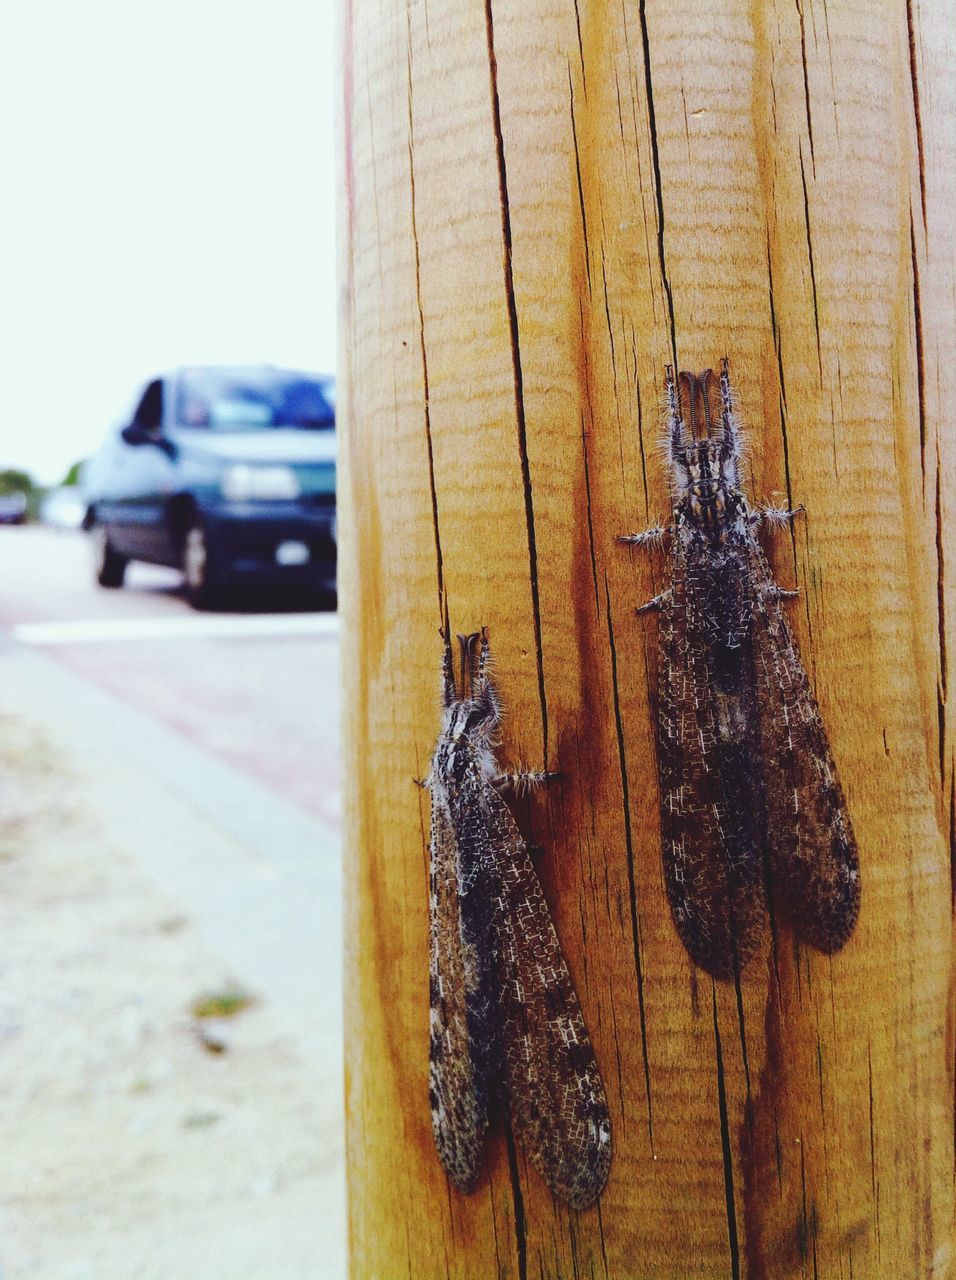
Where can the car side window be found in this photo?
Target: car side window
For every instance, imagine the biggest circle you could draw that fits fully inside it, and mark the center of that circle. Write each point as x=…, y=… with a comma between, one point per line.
x=149, y=411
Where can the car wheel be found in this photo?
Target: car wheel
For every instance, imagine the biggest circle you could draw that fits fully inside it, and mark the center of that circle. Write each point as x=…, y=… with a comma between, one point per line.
x=199, y=568
x=108, y=565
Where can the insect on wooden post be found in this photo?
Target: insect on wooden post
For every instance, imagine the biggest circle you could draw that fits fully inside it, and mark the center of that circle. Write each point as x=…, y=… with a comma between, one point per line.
x=747, y=780
x=505, y=1019
x=543, y=207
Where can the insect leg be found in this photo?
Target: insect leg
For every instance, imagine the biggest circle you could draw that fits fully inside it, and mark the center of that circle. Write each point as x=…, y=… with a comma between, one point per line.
x=775, y=517
x=652, y=537
x=523, y=780
x=655, y=605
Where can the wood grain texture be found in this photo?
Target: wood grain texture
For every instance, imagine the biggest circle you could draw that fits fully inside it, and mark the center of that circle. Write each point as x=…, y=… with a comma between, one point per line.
x=543, y=201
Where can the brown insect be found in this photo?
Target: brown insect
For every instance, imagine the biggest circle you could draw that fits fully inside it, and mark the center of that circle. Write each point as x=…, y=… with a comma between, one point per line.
x=505, y=1018
x=749, y=789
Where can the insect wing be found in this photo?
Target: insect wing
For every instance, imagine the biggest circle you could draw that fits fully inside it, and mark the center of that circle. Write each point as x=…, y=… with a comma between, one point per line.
x=709, y=799
x=457, y=1083
x=812, y=846
x=558, y=1106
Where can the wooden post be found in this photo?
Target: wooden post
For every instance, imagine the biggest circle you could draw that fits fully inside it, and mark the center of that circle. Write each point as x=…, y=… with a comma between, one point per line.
x=542, y=202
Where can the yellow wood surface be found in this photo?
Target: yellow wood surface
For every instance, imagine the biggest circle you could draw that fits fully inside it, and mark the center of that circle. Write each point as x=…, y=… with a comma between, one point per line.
x=541, y=199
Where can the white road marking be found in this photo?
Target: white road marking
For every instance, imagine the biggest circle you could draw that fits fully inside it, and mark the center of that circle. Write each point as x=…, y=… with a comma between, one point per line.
x=185, y=627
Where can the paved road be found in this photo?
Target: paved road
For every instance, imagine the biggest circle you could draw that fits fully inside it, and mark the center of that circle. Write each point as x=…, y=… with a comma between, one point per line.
x=205, y=750
x=258, y=690
x=209, y=746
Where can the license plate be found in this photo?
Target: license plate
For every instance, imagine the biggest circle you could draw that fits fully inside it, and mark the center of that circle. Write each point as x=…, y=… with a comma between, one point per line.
x=292, y=553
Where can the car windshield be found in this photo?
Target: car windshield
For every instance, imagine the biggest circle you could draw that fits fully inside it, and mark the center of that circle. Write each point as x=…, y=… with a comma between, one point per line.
x=253, y=400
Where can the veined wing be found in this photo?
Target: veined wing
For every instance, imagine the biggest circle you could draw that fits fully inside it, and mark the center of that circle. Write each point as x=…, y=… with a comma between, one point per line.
x=558, y=1106
x=711, y=801
x=457, y=1083
x=812, y=847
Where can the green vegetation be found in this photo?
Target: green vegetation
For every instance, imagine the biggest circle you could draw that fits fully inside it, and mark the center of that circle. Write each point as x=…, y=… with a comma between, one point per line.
x=13, y=481
x=223, y=1004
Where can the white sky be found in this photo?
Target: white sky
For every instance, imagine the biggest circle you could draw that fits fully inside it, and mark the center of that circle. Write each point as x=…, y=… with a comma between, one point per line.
x=168, y=198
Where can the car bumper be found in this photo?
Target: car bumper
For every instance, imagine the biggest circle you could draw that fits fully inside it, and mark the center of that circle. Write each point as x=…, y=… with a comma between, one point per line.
x=285, y=542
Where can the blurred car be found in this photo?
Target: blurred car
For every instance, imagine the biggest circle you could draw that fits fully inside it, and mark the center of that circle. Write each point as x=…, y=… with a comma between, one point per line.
x=13, y=508
x=63, y=507
x=227, y=473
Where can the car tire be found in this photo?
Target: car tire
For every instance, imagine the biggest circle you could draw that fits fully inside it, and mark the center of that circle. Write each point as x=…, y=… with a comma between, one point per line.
x=108, y=565
x=200, y=573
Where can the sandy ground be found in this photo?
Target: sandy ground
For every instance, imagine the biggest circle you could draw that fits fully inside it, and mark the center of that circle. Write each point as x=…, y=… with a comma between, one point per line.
x=131, y=1148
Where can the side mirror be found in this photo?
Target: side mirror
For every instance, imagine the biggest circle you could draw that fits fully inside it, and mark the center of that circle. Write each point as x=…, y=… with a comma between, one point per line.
x=136, y=434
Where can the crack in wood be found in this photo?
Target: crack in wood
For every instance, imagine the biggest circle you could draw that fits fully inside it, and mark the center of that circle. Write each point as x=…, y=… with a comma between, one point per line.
x=521, y=1231
x=813, y=274
x=917, y=115
x=632, y=886
x=433, y=491
x=656, y=165
x=577, y=166
x=727, y=1151
x=516, y=369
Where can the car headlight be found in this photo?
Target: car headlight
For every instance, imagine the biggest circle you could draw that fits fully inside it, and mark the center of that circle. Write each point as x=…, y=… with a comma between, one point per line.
x=245, y=483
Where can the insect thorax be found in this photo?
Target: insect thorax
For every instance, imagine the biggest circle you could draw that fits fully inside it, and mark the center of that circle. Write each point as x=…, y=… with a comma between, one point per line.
x=710, y=505
x=464, y=752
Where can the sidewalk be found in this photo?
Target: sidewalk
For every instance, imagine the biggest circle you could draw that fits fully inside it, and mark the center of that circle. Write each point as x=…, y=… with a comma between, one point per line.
x=137, y=874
